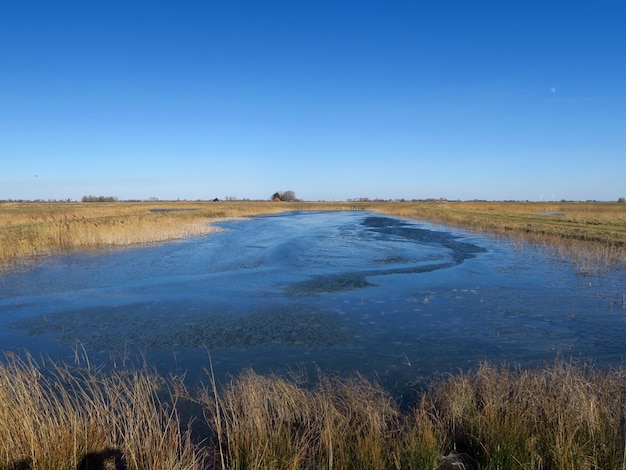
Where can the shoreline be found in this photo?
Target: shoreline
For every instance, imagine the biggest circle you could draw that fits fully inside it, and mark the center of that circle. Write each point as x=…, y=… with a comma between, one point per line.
x=593, y=235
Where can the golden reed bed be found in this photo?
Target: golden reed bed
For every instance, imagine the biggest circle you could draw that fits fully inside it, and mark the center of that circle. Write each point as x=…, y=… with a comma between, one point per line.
x=56, y=416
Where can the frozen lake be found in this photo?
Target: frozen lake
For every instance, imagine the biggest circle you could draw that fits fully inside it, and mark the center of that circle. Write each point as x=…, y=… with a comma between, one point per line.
x=338, y=291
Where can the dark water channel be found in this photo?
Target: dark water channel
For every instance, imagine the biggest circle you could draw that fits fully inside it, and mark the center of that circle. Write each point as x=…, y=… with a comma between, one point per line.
x=338, y=291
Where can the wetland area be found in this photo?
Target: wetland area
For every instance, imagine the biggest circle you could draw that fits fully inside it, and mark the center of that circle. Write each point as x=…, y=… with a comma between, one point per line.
x=345, y=291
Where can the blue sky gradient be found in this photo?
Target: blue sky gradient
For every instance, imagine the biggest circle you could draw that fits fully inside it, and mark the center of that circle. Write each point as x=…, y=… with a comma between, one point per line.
x=333, y=100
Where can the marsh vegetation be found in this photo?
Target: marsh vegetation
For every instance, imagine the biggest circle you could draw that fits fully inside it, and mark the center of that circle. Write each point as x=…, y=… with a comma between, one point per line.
x=560, y=415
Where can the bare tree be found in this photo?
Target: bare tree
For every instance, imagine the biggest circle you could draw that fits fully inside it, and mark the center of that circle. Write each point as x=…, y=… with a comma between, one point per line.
x=287, y=196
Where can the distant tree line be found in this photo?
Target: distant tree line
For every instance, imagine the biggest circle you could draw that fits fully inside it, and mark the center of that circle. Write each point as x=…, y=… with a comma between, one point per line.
x=38, y=201
x=99, y=199
x=277, y=196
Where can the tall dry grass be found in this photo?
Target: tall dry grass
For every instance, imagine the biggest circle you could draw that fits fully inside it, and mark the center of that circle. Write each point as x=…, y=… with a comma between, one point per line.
x=271, y=422
x=30, y=230
x=562, y=416
x=59, y=417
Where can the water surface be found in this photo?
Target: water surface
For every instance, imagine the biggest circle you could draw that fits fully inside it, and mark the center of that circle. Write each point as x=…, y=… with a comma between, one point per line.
x=338, y=291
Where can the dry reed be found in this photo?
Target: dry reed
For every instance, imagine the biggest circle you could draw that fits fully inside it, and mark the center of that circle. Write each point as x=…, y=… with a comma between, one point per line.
x=271, y=422
x=562, y=416
x=57, y=417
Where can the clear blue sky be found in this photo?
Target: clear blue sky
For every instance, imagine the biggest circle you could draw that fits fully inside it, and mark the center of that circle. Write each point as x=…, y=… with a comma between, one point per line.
x=331, y=99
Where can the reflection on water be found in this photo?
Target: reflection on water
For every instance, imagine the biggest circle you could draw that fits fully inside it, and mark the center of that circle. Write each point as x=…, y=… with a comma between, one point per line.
x=340, y=291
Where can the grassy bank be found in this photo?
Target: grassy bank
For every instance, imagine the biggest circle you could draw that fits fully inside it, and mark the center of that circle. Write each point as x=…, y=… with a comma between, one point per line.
x=563, y=416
